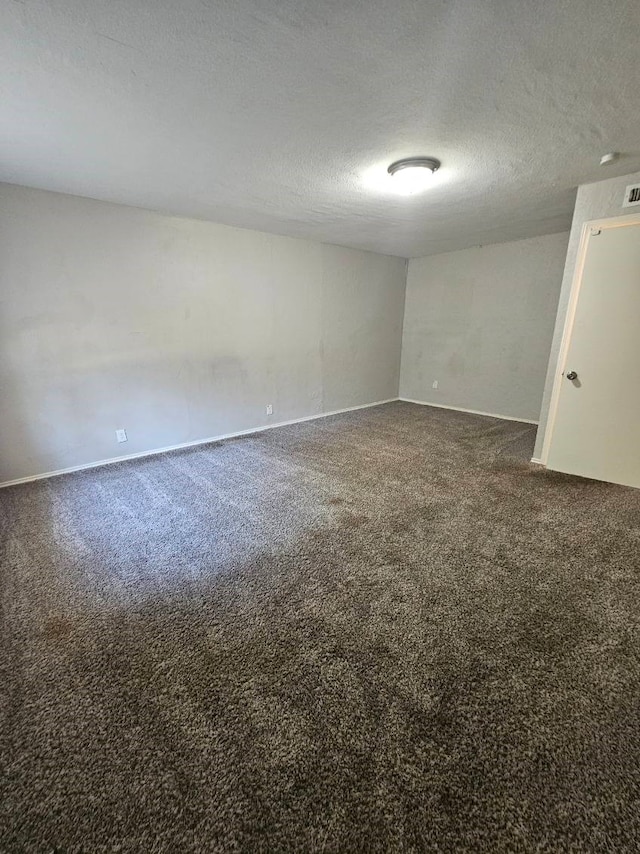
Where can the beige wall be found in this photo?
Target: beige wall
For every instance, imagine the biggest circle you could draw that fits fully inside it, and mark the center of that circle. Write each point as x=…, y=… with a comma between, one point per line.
x=480, y=322
x=594, y=201
x=175, y=329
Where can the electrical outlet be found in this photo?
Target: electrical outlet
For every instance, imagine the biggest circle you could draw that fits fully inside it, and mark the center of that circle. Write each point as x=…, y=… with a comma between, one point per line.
x=435, y=384
x=269, y=409
x=121, y=435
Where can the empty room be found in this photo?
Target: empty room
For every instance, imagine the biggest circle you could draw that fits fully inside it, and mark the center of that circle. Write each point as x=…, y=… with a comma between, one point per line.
x=319, y=426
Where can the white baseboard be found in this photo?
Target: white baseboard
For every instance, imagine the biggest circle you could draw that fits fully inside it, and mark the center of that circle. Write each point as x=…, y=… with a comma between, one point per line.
x=469, y=411
x=536, y=461
x=194, y=444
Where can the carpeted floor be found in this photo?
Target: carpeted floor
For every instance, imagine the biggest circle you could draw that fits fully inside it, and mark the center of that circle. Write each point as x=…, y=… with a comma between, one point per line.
x=377, y=632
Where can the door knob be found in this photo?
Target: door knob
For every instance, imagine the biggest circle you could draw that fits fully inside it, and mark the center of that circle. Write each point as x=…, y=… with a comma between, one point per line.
x=572, y=375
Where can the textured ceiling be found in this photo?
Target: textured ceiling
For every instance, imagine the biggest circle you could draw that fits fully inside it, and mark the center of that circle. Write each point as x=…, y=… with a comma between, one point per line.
x=282, y=115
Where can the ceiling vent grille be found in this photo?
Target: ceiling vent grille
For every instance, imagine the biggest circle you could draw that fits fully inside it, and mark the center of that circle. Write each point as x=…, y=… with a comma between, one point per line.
x=631, y=196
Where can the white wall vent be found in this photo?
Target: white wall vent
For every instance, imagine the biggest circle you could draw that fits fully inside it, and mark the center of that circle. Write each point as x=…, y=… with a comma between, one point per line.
x=631, y=196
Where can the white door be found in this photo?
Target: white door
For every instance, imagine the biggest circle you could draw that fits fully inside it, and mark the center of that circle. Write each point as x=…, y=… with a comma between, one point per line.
x=596, y=429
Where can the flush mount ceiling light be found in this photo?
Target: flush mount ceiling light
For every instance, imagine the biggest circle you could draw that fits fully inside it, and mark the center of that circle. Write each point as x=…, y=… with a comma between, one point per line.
x=413, y=174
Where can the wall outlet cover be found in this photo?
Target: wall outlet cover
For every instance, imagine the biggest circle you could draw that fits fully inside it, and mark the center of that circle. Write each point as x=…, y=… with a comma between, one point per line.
x=269, y=409
x=121, y=435
x=435, y=384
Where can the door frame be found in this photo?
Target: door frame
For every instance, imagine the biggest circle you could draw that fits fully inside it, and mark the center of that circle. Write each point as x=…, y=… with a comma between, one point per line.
x=572, y=304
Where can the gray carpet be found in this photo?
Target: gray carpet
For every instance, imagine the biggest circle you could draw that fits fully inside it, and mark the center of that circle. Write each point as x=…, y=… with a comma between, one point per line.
x=377, y=632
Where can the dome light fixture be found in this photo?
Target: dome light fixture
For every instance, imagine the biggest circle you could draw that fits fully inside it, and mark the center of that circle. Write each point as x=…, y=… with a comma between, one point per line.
x=413, y=174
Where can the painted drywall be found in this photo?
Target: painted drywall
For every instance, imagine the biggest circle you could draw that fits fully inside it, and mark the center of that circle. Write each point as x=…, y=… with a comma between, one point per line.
x=176, y=330
x=479, y=322
x=593, y=201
